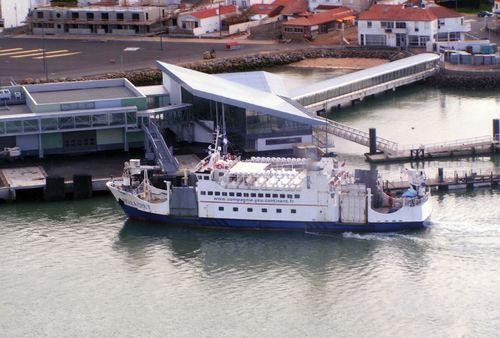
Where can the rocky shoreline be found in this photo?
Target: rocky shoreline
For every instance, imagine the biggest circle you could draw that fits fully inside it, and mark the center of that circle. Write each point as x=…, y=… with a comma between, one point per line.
x=443, y=79
x=463, y=79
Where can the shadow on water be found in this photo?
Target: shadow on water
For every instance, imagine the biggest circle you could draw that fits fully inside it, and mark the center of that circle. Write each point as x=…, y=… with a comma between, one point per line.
x=216, y=250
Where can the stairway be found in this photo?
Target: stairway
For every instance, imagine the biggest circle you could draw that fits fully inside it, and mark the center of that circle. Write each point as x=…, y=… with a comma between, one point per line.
x=163, y=155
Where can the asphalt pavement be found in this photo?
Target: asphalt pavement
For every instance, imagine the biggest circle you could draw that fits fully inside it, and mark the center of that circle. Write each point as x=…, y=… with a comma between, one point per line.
x=478, y=31
x=22, y=58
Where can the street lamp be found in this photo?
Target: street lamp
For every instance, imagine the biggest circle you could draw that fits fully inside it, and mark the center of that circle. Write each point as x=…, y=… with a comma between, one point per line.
x=45, y=68
x=160, y=17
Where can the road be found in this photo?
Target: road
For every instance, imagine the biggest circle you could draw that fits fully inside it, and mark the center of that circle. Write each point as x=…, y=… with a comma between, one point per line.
x=477, y=28
x=21, y=58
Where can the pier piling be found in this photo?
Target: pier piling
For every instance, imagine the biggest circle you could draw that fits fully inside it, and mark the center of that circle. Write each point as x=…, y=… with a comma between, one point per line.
x=54, y=188
x=82, y=186
x=373, y=141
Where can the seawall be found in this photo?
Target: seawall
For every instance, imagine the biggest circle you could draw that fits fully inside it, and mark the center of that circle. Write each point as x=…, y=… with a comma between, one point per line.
x=466, y=79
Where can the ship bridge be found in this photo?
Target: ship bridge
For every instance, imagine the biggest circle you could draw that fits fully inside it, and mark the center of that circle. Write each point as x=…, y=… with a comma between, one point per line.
x=324, y=95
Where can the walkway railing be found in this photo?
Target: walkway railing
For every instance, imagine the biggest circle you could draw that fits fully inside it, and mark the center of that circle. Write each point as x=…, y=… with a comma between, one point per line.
x=452, y=145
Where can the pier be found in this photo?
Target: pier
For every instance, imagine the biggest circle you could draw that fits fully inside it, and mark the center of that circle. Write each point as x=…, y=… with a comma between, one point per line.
x=384, y=150
x=465, y=180
x=352, y=87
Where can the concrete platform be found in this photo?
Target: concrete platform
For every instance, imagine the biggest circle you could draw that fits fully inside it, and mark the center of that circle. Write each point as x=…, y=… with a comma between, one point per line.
x=23, y=178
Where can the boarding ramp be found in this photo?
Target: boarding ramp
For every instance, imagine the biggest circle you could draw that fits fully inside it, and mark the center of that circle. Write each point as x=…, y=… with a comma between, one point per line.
x=324, y=95
x=357, y=136
x=156, y=144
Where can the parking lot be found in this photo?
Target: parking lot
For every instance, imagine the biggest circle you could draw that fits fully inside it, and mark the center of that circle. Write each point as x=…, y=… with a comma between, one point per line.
x=21, y=58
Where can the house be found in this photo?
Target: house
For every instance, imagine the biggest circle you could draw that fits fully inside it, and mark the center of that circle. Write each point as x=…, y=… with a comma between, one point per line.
x=263, y=11
x=356, y=5
x=496, y=7
x=205, y=21
x=118, y=20
x=292, y=8
x=400, y=26
x=14, y=13
x=308, y=27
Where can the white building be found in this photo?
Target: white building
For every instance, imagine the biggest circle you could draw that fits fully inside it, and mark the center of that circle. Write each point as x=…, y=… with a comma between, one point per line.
x=205, y=21
x=399, y=26
x=496, y=7
x=356, y=5
x=13, y=13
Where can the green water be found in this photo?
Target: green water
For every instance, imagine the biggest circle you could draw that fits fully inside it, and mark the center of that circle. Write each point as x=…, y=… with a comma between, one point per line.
x=80, y=269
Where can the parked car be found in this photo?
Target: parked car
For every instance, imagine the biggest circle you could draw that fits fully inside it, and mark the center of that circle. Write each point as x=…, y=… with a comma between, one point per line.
x=482, y=14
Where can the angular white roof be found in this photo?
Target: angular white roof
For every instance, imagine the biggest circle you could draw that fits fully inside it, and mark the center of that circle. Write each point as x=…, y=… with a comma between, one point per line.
x=235, y=93
x=261, y=80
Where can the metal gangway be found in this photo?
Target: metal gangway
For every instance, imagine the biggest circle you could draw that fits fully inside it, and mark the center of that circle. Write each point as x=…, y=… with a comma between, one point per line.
x=163, y=154
x=356, y=136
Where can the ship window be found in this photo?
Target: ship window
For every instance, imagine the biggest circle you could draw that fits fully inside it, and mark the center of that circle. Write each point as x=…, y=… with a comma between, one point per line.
x=264, y=209
x=282, y=195
x=235, y=209
x=238, y=194
x=275, y=195
x=268, y=195
x=221, y=208
x=253, y=195
x=249, y=209
x=293, y=211
x=289, y=196
x=224, y=193
x=203, y=193
x=210, y=193
x=278, y=211
x=296, y=196
x=231, y=194
x=217, y=193
x=260, y=195
x=245, y=194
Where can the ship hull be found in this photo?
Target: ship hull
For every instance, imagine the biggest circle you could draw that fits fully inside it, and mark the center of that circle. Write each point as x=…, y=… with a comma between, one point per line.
x=242, y=224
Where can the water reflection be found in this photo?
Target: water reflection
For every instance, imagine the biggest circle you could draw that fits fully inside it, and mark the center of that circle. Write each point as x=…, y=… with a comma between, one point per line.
x=219, y=251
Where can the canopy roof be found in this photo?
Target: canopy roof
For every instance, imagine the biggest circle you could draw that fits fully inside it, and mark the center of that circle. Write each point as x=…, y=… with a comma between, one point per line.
x=220, y=89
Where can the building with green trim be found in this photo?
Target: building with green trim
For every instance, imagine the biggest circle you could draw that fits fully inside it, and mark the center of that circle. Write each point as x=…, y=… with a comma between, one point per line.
x=73, y=117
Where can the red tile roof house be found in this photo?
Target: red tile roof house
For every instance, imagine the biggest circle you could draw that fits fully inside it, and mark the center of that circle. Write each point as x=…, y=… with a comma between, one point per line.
x=292, y=8
x=400, y=26
x=263, y=11
x=308, y=27
x=206, y=20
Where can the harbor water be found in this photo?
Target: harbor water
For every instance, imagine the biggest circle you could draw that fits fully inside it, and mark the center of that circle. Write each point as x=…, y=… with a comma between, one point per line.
x=79, y=268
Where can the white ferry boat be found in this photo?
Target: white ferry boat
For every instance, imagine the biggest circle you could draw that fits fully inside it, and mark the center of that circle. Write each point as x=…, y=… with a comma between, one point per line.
x=272, y=193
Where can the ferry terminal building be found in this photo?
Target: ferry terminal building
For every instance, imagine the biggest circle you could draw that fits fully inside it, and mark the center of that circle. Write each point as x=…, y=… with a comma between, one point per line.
x=90, y=116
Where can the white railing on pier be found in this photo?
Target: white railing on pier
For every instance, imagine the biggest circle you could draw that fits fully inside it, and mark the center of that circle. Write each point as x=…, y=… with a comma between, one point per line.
x=452, y=145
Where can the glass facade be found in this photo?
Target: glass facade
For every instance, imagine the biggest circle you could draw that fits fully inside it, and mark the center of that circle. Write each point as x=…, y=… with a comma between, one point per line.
x=49, y=124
